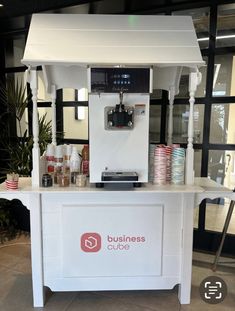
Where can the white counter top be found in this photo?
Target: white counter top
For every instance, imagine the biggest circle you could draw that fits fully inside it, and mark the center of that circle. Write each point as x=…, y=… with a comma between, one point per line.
x=201, y=185
x=161, y=215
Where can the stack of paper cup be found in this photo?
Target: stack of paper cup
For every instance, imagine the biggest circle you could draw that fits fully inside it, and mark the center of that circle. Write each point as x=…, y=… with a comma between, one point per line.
x=12, y=181
x=168, y=164
x=151, y=161
x=160, y=165
x=177, y=166
x=175, y=146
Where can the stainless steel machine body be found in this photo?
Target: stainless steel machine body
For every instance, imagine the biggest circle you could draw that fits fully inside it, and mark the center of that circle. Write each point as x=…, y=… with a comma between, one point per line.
x=119, y=124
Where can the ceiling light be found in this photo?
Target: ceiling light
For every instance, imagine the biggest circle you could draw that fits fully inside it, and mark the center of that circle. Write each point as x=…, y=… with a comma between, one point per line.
x=203, y=39
x=1, y=4
x=217, y=38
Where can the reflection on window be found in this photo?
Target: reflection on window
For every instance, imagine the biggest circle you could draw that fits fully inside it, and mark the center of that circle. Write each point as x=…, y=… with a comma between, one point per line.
x=222, y=129
x=201, y=23
x=68, y=94
x=14, y=51
x=18, y=78
x=154, y=123
x=156, y=94
x=226, y=25
x=196, y=217
x=222, y=170
x=197, y=162
x=180, y=123
x=75, y=95
x=224, y=75
x=184, y=82
x=43, y=96
x=47, y=111
x=75, y=128
x=216, y=215
x=217, y=165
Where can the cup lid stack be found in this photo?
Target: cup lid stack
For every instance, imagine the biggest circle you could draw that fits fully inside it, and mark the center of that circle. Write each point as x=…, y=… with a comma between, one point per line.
x=177, y=166
x=160, y=165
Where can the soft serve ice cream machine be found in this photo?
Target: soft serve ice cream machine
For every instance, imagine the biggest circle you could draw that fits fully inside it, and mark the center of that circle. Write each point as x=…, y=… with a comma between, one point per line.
x=119, y=124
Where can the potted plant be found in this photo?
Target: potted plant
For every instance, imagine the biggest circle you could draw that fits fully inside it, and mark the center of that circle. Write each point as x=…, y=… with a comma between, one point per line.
x=18, y=149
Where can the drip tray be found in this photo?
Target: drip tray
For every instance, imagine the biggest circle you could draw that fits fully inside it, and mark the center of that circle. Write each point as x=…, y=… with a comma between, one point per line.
x=119, y=176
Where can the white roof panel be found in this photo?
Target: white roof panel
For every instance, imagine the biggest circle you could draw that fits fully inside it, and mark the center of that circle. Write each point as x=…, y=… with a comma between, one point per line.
x=87, y=39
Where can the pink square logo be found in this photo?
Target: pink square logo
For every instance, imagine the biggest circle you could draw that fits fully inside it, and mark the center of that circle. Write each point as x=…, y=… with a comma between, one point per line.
x=91, y=242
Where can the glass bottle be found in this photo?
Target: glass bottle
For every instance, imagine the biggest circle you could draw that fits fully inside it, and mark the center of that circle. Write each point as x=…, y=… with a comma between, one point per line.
x=75, y=161
x=50, y=158
x=59, y=162
x=85, y=160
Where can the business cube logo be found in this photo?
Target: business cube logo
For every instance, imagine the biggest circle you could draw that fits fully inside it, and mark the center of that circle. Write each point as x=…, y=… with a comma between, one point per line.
x=91, y=242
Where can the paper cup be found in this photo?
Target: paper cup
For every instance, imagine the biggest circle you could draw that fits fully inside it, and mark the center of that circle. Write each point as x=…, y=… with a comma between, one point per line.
x=11, y=184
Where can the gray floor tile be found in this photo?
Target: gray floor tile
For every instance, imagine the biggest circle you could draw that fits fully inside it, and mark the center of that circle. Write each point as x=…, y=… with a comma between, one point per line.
x=59, y=301
x=88, y=301
x=16, y=289
x=155, y=300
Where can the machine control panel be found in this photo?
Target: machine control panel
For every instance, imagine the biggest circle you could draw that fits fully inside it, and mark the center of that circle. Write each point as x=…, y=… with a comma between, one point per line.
x=112, y=80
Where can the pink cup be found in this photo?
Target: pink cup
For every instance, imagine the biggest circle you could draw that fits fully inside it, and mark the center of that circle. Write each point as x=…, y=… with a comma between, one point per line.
x=11, y=184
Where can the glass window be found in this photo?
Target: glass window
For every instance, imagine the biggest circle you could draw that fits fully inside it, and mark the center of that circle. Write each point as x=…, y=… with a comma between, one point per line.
x=184, y=82
x=201, y=23
x=75, y=95
x=196, y=217
x=216, y=215
x=225, y=25
x=197, y=162
x=222, y=130
x=154, y=123
x=156, y=94
x=180, y=123
x=43, y=96
x=178, y=1
x=47, y=111
x=75, y=9
x=69, y=94
x=75, y=128
x=221, y=167
x=108, y=7
x=14, y=51
x=141, y=5
x=18, y=78
x=224, y=75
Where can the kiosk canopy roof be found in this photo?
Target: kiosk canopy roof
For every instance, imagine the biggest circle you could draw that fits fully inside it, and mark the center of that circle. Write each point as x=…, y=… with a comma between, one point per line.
x=90, y=40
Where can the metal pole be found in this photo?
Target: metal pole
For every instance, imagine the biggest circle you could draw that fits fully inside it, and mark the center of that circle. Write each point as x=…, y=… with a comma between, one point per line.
x=225, y=229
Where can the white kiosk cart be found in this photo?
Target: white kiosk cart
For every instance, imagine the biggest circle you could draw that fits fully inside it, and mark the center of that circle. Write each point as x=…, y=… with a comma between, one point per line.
x=98, y=239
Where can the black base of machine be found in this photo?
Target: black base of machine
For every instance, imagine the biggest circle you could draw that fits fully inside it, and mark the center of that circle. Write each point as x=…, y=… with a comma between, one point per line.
x=119, y=176
x=117, y=186
x=99, y=185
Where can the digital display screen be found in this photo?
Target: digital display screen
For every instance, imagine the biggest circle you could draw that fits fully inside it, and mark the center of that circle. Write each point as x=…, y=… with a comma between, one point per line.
x=109, y=80
x=98, y=77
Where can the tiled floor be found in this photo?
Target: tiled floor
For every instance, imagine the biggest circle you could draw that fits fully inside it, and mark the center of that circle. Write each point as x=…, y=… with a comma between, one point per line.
x=215, y=217
x=16, y=288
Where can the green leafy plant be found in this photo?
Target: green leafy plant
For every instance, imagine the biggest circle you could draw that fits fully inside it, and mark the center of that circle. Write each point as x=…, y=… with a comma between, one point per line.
x=19, y=148
x=13, y=96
